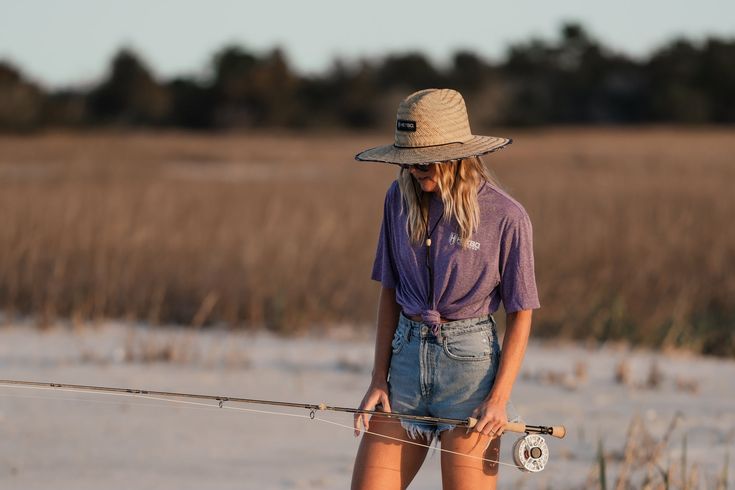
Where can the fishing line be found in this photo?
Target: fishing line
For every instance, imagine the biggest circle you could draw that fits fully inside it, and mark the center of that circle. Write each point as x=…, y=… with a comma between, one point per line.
x=84, y=400
x=418, y=443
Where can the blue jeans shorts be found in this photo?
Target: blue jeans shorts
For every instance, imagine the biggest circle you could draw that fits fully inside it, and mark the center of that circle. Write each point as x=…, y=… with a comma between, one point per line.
x=446, y=375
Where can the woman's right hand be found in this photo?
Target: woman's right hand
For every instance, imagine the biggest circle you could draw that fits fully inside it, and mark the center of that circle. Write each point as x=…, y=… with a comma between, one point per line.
x=377, y=394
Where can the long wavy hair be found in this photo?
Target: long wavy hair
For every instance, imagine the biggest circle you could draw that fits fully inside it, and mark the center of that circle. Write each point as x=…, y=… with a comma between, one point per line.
x=458, y=182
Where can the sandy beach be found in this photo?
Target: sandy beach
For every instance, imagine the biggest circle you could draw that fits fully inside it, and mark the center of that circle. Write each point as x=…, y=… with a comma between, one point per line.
x=88, y=441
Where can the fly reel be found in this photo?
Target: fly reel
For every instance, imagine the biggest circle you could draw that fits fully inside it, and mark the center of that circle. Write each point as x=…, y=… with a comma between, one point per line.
x=530, y=453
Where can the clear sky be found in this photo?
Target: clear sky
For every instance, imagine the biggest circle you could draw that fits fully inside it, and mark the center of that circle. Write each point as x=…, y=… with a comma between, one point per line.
x=70, y=42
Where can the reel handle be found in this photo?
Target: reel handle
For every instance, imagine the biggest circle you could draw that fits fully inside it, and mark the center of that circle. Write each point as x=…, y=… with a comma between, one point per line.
x=558, y=431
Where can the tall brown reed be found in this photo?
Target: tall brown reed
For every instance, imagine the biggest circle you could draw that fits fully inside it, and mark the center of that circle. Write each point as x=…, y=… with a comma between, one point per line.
x=646, y=463
x=632, y=229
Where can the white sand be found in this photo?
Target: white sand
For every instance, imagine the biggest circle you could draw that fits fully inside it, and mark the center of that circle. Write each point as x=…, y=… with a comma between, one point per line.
x=52, y=439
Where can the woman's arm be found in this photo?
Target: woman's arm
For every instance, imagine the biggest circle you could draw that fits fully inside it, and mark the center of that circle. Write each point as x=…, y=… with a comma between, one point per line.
x=491, y=414
x=377, y=393
x=388, y=313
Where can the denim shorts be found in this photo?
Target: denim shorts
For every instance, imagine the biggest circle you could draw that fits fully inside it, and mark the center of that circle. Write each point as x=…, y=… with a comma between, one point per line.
x=446, y=375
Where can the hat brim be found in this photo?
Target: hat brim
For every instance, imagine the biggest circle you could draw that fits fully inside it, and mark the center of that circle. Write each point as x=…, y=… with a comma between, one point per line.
x=476, y=146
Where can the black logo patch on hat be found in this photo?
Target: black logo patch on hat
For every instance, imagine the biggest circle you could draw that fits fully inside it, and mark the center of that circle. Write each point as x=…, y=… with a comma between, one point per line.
x=404, y=125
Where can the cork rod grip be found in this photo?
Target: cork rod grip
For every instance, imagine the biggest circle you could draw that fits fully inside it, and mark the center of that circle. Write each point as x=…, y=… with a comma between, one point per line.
x=558, y=431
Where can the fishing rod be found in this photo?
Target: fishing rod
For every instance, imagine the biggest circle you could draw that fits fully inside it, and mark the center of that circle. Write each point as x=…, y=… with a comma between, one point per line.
x=470, y=422
x=530, y=452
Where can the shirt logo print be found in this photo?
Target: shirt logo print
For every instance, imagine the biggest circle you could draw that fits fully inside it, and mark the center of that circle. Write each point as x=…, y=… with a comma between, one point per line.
x=455, y=240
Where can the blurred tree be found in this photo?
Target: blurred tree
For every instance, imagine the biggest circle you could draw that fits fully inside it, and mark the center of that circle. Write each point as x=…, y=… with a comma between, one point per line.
x=192, y=104
x=576, y=80
x=232, y=87
x=252, y=91
x=676, y=93
x=468, y=72
x=718, y=78
x=579, y=63
x=233, y=67
x=531, y=75
x=275, y=88
x=573, y=79
x=65, y=108
x=623, y=87
x=483, y=87
x=411, y=71
x=130, y=94
x=21, y=102
x=358, y=96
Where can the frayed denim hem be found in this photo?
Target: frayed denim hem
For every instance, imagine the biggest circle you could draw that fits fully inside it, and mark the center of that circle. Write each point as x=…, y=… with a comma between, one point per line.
x=431, y=432
x=428, y=432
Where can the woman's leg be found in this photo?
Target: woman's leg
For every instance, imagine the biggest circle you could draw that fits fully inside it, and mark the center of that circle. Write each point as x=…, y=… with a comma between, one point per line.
x=463, y=473
x=386, y=464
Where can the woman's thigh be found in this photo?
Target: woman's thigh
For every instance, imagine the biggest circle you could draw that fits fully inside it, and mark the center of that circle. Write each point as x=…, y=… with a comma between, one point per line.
x=386, y=462
x=460, y=472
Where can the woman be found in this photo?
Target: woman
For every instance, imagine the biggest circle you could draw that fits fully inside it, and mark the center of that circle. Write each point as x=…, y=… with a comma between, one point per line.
x=452, y=246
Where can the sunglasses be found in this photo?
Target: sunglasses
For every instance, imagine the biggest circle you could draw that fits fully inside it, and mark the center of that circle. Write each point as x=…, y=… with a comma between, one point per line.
x=424, y=167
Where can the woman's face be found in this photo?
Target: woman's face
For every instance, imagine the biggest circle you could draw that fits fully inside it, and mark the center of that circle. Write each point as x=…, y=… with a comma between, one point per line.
x=427, y=180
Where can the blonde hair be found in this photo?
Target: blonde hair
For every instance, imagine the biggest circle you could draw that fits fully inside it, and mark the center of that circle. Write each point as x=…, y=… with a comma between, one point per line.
x=458, y=182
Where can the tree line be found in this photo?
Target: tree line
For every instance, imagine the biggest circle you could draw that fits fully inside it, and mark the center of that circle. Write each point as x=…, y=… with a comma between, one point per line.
x=573, y=79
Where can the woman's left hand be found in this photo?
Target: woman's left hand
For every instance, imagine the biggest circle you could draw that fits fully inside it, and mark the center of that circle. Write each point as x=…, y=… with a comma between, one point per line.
x=491, y=418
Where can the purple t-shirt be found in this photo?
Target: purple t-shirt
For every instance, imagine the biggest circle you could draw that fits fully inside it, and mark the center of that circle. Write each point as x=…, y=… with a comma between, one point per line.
x=468, y=282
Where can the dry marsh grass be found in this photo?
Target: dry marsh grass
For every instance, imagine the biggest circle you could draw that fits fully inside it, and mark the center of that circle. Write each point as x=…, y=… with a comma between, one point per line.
x=646, y=462
x=633, y=229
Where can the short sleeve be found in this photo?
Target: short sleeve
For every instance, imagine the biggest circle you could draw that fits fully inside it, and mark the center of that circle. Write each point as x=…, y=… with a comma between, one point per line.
x=384, y=269
x=517, y=276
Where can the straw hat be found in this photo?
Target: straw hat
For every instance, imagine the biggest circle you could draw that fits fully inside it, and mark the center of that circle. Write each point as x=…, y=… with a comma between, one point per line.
x=432, y=126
